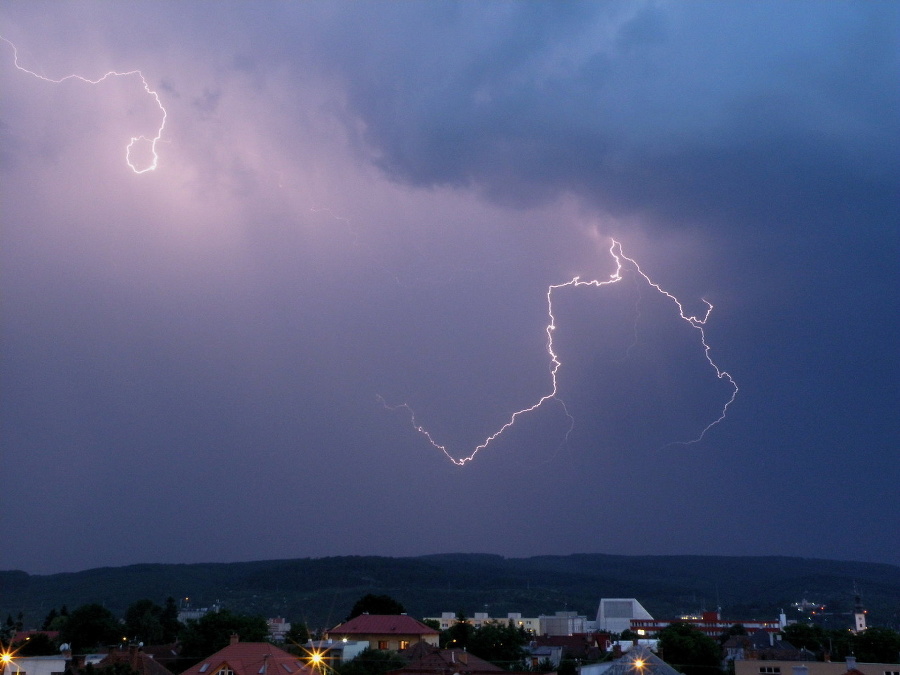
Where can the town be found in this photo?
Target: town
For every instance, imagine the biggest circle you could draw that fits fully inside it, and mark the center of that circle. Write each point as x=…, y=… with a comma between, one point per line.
x=378, y=637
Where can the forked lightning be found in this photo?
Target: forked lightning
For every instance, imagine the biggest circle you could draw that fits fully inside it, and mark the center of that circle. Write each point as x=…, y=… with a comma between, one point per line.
x=131, y=73
x=615, y=250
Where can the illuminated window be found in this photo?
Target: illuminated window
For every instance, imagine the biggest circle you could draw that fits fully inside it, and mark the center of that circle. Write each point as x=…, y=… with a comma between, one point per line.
x=382, y=644
x=404, y=644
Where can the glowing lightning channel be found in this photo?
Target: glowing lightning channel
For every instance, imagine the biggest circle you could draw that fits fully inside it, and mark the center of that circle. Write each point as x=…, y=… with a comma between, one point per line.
x=134, y=139
x=615, y=250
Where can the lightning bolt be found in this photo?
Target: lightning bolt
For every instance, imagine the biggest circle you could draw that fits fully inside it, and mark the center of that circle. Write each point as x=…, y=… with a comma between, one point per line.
x=113, y=73
x=615, y=250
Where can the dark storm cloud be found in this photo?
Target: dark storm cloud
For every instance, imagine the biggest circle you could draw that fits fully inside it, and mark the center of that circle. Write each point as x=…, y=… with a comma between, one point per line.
x=700, y=111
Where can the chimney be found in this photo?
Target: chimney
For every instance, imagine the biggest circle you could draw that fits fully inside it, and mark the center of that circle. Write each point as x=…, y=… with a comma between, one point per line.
x=851, y=662
x=617, y=650
x=800, y=670
x=234, y=639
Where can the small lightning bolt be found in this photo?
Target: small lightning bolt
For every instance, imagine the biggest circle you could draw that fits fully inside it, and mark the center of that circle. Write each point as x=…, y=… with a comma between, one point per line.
x=131, y=73
x=615, y=250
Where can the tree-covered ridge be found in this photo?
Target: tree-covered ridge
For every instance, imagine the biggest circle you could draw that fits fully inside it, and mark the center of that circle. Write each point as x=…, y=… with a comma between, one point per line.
x=314, y=591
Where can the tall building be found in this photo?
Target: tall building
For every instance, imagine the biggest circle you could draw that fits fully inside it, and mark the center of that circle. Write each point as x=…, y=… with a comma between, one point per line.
x=614, y=615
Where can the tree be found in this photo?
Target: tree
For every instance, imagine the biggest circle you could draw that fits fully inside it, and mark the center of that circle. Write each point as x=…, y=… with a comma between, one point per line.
x=372, y=662
x=501, y=644
x=213, y=630
x=736, y=629
x=171, y=626
x=877, y=645
x=38, y=644
x=690, y=650
x=53, y=614
x=805, y=635
x=298, y=634
x=91, y=626
x=376, y=604
x=143, y=622
x=459, y=634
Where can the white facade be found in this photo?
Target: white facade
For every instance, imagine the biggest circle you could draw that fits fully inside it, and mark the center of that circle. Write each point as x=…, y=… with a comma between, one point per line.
x=43, y=665
x=532, y=625
x=278, y=628
x=614, y=615
x=563, y=623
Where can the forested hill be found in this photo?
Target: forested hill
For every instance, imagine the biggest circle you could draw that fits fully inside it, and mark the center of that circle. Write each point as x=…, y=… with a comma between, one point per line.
x=321, y=591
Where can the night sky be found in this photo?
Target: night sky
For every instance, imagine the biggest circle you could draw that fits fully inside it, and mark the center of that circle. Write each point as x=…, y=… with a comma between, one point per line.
x=367, y=202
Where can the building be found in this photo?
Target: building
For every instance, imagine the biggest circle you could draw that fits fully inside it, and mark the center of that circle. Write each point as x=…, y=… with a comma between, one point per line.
x=427, y=660
x=848, y=667
x=135, y=658
x=562, y=623
x=337, y=652
x=588, y=646
x=385, y=631
x=559, y=623
x=532, y=625
x=35, y=665
x=710, y=623
x=278, y=628
x=638, y=661
x=614, y=615
x=765, y=646
x=250, y=658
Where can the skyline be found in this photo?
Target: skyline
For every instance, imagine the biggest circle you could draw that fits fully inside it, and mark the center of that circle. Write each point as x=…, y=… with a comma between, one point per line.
x=359, y=207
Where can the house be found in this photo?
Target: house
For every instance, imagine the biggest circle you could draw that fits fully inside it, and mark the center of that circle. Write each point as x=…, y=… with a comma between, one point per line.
x=336, y=652
x=584, y=646
x=34, y=665
x=385, y=631
x=638, y=661
x=425, y=659
x=251, y=658
x=764, y=646
x=849, y=667
x=135, y=658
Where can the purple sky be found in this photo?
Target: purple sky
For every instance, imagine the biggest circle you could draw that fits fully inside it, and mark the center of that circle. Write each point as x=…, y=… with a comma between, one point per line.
x=356, y=200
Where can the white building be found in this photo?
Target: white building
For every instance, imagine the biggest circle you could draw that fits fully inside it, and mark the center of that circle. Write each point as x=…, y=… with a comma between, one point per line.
x=532, y=625
x=278, y=628
x=563, y=623
x=614, y=615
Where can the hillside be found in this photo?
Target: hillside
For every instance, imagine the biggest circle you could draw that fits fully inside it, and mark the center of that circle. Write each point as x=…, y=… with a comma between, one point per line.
x=321, y=591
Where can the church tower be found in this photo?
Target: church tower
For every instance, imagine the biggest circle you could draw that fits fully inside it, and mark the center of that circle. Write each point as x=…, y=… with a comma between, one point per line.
x=859, y=614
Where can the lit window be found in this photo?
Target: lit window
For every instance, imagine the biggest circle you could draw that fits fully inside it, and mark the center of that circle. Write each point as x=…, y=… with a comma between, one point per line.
x=404, y=644
x=382, y=644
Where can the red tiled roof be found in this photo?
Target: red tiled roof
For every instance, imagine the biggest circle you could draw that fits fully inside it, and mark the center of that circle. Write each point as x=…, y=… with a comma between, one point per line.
x=435, y=660
x=23, y=635
x=251, y=658
x=137, y=660
x=383, y=624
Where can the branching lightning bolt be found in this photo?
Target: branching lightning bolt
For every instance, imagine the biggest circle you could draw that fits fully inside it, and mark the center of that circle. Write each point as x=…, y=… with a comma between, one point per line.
x=136, y=73
x=615, y=250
